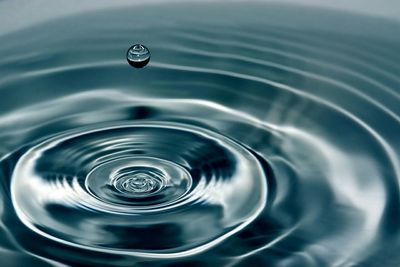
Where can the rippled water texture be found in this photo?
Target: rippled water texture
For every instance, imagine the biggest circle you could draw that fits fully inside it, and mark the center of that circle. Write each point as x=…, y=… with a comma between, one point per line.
x=266, y=137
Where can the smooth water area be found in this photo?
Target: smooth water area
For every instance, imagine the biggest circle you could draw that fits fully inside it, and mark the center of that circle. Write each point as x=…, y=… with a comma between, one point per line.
x=267, y=136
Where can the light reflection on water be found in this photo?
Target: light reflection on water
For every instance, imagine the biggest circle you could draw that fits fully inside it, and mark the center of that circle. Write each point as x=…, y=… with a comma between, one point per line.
x=256, y=141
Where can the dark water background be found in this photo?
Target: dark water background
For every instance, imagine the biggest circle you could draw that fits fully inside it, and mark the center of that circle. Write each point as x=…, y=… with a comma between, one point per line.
x=258, y=135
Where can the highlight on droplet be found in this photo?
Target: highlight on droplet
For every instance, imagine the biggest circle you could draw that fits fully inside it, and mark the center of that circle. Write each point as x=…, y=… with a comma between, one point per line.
x=138, y=56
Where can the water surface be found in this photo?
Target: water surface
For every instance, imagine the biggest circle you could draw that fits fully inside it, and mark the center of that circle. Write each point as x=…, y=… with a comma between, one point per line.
x=264, y=137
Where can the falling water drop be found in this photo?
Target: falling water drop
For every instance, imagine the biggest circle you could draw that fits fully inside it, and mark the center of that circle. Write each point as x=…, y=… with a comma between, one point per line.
x=138, y=56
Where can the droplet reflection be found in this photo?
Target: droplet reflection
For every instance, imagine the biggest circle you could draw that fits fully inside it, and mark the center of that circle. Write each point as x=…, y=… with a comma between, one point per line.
x=138, y=56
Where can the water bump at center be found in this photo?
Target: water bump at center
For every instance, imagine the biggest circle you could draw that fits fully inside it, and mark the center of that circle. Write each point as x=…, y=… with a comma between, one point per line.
x=139, y=181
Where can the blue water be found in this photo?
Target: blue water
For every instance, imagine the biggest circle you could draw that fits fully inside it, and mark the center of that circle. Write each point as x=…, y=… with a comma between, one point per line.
x=264, y=137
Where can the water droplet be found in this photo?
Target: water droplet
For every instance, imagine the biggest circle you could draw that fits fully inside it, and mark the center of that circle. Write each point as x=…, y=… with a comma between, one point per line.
x=138, y=56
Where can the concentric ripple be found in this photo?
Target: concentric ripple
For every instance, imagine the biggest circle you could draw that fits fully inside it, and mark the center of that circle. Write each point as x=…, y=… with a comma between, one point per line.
x=109, y=178
x=256, y=138
x=127, y=179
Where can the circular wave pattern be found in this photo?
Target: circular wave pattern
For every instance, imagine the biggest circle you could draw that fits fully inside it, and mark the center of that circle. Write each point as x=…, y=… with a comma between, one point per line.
x=128, y=178
x=132, y=180
x=254, y=144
